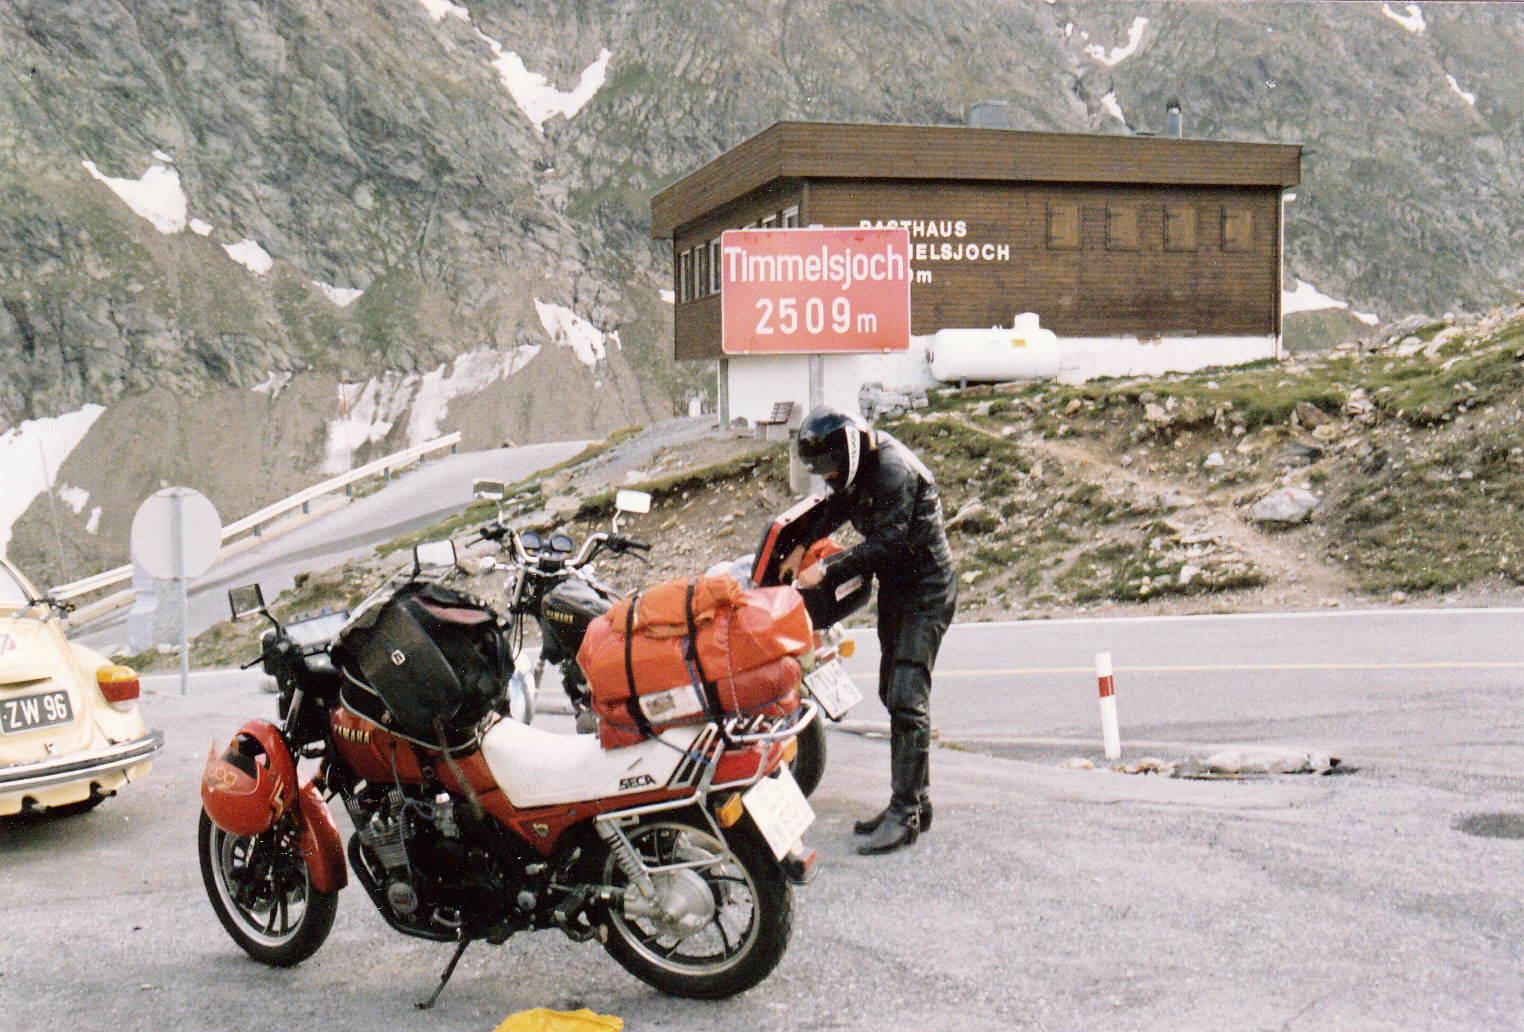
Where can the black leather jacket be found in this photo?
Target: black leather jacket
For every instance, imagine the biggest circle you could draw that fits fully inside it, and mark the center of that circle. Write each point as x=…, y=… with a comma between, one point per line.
x=894, y=505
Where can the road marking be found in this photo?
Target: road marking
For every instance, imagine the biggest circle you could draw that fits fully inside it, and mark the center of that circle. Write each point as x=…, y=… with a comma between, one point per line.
x=1226, y=668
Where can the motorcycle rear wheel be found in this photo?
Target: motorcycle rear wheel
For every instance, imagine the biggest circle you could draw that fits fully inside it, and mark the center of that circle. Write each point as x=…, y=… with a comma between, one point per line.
x=808, y=764
x=263, y=894
x=747, y=933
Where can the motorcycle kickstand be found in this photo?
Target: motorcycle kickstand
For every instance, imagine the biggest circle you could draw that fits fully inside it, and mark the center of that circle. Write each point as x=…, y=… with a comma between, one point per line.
x=445, y=978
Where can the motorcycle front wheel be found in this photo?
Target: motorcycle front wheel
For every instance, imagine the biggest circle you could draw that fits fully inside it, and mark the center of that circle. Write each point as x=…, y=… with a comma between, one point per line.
x=260, y=888
x=726, y=918
x=808, y=764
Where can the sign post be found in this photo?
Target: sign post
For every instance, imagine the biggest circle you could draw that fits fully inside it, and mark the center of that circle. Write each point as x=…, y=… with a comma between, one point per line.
x=813, y=291
x=176, y=534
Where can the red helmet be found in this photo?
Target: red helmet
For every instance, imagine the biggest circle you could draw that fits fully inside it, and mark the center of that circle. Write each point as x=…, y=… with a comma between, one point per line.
x=252, y=784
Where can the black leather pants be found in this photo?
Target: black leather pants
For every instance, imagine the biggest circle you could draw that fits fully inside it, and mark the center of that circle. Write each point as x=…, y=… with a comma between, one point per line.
x=910, y=629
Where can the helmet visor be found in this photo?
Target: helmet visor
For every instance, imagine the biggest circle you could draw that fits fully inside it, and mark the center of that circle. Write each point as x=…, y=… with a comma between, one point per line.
x=822, y=464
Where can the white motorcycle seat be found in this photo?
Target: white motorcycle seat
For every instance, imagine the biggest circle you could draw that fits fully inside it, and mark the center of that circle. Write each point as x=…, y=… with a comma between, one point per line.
x=535, y=767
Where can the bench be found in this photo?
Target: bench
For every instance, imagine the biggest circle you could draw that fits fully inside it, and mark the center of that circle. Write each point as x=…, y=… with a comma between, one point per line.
x=782, y=410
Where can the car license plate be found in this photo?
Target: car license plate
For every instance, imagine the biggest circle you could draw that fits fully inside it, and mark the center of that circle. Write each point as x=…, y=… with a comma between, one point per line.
x=780, y=810
x=29, y=712
x=833, y=689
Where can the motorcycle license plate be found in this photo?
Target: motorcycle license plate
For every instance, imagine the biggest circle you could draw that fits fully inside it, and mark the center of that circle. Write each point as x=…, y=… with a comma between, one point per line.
x=833, y=689
x=30, y=712
x=780, y=810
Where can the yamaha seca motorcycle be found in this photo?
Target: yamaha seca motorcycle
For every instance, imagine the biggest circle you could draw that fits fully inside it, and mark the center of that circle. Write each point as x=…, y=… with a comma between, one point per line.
x=555, y=588
x=679, y=854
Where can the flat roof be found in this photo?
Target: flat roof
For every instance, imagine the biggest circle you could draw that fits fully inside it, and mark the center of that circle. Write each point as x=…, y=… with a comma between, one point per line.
x=825, y=150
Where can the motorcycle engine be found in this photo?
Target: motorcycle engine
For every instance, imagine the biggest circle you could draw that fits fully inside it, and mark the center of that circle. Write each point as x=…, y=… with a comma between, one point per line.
x=430, y=872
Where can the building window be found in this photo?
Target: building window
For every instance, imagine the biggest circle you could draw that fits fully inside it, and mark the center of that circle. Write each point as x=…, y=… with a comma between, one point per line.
x=791, y=217
x=685, y=276
x=1063, y=224
x=770, y=221
x=1122, y=227
x=1237, y=229
x=1180, y=227
x=714, y=267
x=700, y=271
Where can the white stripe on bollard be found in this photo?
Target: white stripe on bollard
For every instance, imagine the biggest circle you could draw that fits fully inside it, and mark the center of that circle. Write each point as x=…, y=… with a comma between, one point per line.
x=1109, y=734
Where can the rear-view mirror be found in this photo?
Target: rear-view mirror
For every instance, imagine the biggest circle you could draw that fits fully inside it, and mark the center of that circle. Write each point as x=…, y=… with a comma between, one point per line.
x=491, y=490
x=245, y=600
x=434, y=553
x=632, y=501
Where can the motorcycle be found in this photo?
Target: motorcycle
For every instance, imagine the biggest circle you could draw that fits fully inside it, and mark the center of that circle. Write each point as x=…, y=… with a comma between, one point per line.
x=557, y=590
x=678, y=854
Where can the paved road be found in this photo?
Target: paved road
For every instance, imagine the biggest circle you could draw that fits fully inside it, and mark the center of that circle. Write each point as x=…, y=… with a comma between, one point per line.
x=428, y=493
x=1437, y=688
x=1044, y=898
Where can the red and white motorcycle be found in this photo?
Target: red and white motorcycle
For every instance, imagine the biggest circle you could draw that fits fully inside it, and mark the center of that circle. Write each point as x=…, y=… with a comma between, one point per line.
x=678, y=853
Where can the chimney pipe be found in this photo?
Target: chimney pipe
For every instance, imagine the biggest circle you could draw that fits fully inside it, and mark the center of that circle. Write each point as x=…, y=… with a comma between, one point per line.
x=1172, y=120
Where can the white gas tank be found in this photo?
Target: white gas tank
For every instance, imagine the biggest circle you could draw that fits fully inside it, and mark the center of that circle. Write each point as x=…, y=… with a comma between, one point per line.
x=1024, y=352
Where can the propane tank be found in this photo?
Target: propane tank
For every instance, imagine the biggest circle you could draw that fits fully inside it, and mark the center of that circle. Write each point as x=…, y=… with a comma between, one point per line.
x=1024, y=352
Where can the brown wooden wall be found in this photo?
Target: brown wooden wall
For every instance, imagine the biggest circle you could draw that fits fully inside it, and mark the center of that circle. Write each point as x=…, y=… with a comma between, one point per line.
x=1118, y=275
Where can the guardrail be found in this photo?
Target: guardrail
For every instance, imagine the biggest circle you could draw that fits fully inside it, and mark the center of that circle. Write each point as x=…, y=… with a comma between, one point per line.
x=255, y=520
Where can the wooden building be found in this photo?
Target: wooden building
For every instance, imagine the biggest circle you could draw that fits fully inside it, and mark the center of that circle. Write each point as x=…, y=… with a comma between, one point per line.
x=1138, y=252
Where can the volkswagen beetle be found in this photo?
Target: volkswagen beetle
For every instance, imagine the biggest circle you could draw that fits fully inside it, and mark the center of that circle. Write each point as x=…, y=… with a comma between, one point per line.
x=70, y=730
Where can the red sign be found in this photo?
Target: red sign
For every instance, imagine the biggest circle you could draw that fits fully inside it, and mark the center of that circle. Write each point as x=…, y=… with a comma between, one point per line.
x=805, y=291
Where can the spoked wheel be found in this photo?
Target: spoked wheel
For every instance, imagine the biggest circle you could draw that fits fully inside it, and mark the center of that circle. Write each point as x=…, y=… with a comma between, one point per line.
x=263, y=896
x=716, y=928
x=808, y=764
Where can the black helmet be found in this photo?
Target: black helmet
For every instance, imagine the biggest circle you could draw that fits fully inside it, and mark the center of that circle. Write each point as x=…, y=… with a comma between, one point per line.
x=832, y=443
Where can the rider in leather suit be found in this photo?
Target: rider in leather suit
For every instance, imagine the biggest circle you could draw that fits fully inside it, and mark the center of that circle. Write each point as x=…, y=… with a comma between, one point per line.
x=891, y=498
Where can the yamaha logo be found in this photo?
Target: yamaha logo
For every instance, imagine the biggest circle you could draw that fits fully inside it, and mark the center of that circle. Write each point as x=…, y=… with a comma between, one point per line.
x=398, y=657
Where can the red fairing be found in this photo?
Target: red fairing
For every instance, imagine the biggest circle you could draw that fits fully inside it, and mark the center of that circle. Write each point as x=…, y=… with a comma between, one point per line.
x=322, y=848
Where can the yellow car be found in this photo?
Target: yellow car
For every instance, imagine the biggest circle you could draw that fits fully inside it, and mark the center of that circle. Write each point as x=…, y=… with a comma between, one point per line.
x=70, y=731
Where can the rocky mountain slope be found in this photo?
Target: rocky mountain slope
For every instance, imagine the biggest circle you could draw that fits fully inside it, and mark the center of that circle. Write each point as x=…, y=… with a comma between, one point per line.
x=402, y=217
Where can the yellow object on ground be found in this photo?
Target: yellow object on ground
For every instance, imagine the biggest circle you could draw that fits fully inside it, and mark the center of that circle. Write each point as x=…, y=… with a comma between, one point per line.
x=542, y=1020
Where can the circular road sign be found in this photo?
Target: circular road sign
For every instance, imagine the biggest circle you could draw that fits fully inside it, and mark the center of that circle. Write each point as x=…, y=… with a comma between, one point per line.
x=155, y=541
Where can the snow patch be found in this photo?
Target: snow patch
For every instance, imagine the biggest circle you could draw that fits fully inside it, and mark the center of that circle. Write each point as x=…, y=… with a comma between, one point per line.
x=274, y=383
x=341, y=296
x=532, y=91
x=369, y=412
x=1307, y=298
x=1469, y=98
x=159, y=155
x=156, y=197
x=1412, y=21
x=74, y=497
x=670, y=297
x=1109, y=102
x=472, y=372
x=569, y=329
x=200, y=228
x=95, y=521
x=1117, y=54
x=438, y=9
x=251, y=256
x=30, y=455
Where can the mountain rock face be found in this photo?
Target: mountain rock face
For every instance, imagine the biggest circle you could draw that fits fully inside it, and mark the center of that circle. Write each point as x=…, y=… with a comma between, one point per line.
x=403, y=217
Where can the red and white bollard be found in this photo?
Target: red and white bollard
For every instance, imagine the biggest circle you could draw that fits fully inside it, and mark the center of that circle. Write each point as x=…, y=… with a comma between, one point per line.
x=1109, y=735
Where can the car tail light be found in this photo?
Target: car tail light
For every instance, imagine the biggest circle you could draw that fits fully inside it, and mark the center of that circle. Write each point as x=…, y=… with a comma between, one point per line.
x=119, y=684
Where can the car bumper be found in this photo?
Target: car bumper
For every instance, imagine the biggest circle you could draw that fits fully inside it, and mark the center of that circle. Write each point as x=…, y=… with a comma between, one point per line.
x=80, y=766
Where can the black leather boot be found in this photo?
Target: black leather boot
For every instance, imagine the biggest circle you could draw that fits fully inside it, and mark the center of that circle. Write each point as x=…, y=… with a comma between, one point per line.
x=900, y=824
x=896, y=830
x=869, y=826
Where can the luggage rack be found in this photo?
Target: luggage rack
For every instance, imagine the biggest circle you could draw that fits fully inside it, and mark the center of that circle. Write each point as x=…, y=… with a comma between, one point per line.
x=757, y=728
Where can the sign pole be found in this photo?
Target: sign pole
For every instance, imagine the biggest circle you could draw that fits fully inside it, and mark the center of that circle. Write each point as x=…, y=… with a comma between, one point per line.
x=184, y=599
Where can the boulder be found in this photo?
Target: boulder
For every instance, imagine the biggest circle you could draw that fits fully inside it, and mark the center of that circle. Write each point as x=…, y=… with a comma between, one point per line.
x=1284, y=505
